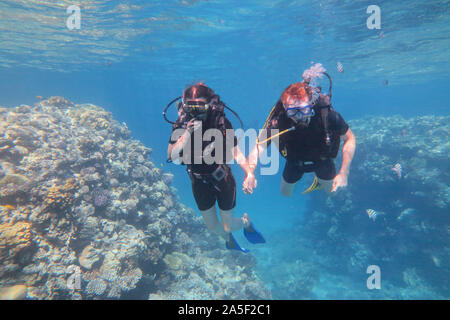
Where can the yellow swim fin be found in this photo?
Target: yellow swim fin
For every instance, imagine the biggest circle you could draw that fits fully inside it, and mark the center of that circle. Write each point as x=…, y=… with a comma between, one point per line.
x=314, y=186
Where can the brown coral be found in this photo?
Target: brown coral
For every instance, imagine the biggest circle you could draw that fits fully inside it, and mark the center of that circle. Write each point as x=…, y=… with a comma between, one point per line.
x=14, y=238
x=58, y=102
x=95, y=119
x=13, y=179
x=88, y=257
x=61, y=197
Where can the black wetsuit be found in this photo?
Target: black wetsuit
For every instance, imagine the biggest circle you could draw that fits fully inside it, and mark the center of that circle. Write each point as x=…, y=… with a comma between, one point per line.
x=305, y=148
x=205, y=187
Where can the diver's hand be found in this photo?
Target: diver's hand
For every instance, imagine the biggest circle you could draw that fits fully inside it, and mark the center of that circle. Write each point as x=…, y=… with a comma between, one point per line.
x=250, y=183
x=340, y=181
x=193, y=125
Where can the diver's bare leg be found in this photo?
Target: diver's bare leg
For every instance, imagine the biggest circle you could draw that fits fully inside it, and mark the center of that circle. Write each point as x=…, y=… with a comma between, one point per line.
x=212, y=222
x=245, y=220
x=231, y=223
x=287, y=189
x=327, y=185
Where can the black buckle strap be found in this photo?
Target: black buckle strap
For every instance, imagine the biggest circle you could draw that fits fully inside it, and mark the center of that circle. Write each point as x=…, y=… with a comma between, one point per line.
x=219, y=173
x=213, y=178
x=307, y=166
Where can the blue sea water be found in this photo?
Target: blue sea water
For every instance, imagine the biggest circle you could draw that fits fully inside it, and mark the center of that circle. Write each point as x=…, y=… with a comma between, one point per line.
x=133, y=57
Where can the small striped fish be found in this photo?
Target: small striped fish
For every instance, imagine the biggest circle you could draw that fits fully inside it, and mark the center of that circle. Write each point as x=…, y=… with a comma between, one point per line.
x=398, y=170
x=339, y=67
x=372, y=214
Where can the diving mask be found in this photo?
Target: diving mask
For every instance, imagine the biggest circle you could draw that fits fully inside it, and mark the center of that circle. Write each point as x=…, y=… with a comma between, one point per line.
x=300, y=113
x=195, y=107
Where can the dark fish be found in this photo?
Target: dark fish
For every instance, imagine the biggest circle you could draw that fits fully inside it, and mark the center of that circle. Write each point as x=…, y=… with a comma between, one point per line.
x=385, y=82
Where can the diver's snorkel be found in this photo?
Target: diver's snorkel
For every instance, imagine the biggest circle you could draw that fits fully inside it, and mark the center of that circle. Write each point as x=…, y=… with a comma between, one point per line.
x=324, y=112
x=322, y=107
x=331, y=84
x=317, y=90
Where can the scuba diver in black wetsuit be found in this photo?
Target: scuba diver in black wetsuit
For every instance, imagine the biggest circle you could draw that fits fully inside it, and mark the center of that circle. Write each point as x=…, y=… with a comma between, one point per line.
x=309, y=138
x=201, y=114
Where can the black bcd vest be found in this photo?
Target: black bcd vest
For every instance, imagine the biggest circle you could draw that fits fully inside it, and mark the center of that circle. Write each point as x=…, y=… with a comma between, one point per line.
x=308, y=143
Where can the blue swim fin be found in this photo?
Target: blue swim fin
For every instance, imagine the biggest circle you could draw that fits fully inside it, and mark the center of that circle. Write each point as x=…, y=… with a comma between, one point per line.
x=253, y=235
x=232, y=244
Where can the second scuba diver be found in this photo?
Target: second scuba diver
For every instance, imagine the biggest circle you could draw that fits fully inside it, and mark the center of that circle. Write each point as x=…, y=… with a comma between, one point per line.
x=309, y=135
x=201, y=110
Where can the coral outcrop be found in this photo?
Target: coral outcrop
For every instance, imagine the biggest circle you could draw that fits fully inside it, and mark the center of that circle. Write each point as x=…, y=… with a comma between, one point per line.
x=80, y=200
x=410, y=237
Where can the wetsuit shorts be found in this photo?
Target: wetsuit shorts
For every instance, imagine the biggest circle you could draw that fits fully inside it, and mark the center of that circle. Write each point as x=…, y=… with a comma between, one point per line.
x=207, y=192
x=294, y=170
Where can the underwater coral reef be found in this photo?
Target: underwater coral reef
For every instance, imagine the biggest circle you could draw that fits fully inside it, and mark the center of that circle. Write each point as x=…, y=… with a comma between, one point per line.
x=78, y=196
x=400, y=172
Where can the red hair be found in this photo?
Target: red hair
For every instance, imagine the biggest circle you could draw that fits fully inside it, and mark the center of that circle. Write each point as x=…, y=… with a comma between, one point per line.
x=299, y=91
x=198, y=90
